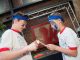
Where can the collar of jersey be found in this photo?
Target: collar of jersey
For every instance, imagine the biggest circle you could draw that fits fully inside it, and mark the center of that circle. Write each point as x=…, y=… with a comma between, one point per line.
x=62, y=30
x=15, y=30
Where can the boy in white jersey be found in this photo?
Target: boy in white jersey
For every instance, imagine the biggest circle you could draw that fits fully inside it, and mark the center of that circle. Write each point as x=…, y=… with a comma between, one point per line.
x=68, y=40
x=13, y=45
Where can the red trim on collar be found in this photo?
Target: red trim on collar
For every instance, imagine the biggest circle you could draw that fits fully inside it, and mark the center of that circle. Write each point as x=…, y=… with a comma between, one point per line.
x=15, y=30
x=4, y=49
x=62, y=30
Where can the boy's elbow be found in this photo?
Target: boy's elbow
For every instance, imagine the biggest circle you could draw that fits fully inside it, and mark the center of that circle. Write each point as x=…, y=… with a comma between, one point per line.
x=74, y=54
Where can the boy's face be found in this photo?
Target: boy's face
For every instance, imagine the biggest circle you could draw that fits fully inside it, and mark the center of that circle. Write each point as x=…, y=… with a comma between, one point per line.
x=21, y=24
x=55, y=24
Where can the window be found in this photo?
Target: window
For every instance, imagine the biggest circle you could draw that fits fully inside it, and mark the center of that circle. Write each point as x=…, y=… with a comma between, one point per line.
x=4, y=6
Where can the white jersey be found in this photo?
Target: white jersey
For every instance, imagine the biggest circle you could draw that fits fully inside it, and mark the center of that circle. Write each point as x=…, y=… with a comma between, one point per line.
x=68, y=39
x=11, y=41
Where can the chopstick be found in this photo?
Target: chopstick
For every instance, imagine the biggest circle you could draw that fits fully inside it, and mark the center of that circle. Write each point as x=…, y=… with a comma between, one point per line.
x=38, y=41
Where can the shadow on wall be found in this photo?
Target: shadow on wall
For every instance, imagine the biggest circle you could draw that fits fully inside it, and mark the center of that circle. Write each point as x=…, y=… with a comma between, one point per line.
x=0, y=34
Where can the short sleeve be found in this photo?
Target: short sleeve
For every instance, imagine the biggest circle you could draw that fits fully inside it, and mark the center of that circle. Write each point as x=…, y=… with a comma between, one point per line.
x=6, y=41
x=71, y=39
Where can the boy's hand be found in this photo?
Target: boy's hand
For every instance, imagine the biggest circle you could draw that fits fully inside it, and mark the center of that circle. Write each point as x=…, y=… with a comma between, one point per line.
x=51, y=47
x=33, y=46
